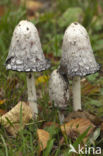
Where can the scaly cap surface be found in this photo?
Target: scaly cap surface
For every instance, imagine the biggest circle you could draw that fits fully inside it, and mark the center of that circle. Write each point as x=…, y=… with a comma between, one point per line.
x=77, y=54
x=25, y=53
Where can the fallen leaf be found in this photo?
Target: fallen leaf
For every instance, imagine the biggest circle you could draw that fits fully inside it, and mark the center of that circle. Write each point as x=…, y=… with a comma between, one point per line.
x=86, y=115
x=2, y=10
x=53, y=58
x=77, y=126
x=48, y=124
x=12, y=119
x=2, y=101
x=2, y=112
x=42, y=80
x=43, y=138
x=32, y=5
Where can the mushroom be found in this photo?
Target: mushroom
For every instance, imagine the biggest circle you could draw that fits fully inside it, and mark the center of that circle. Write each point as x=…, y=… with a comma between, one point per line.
x=77, y=59
x=26, y=55
x=59, y=92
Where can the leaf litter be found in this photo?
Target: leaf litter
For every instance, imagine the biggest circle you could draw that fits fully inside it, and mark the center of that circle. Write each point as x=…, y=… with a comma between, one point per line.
x=75, y=124
x=16, y=118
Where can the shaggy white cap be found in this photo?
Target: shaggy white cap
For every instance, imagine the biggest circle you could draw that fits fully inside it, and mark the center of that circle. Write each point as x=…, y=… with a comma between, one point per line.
x=77, y=57
x=58, y=90
x=25, y=53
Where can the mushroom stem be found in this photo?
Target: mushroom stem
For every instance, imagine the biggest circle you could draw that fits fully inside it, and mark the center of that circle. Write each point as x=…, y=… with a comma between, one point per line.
x=32, y=99
x=76, y=89
x=61, y=116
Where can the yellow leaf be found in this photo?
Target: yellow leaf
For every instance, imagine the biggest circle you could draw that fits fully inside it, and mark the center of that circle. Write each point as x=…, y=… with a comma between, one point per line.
x=11, y=119
x=43, y=138
x=32, y=5
x=42, y=80
x=2, y=101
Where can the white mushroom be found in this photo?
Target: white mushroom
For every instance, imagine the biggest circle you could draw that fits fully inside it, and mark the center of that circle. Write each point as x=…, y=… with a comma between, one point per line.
x=77, y=58
x=59, y=91
x=26, y=55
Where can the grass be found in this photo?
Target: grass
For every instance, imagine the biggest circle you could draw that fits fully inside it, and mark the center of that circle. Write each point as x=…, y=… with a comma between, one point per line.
x=51, y=31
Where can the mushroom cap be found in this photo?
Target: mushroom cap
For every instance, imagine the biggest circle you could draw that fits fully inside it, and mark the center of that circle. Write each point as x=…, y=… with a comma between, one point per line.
x=58, y=89
x=25, y=53
x=77, y=56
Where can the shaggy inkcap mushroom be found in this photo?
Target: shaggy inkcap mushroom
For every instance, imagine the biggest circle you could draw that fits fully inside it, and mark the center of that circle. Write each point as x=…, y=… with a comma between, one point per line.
x=59, y=91
x=26, y=55
x=77, y=58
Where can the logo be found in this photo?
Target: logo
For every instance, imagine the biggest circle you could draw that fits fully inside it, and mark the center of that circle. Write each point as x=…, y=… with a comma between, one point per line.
x=85, y=150
x=72, y=149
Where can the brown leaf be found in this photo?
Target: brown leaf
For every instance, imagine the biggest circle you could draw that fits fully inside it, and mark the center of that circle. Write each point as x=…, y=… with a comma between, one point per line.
x=13, y=126
x=86, y=115
x=77, y=126
x=43, y=138
x=2, y=10
x=2, y=112
x=48, y=124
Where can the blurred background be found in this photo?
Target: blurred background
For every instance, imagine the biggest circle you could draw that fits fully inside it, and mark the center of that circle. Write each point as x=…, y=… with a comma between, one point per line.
x=51, y=18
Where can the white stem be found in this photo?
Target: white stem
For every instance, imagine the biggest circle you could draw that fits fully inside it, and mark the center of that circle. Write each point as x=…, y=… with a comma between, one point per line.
x=61, y=116
x=76, y=89
x=32, y=99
